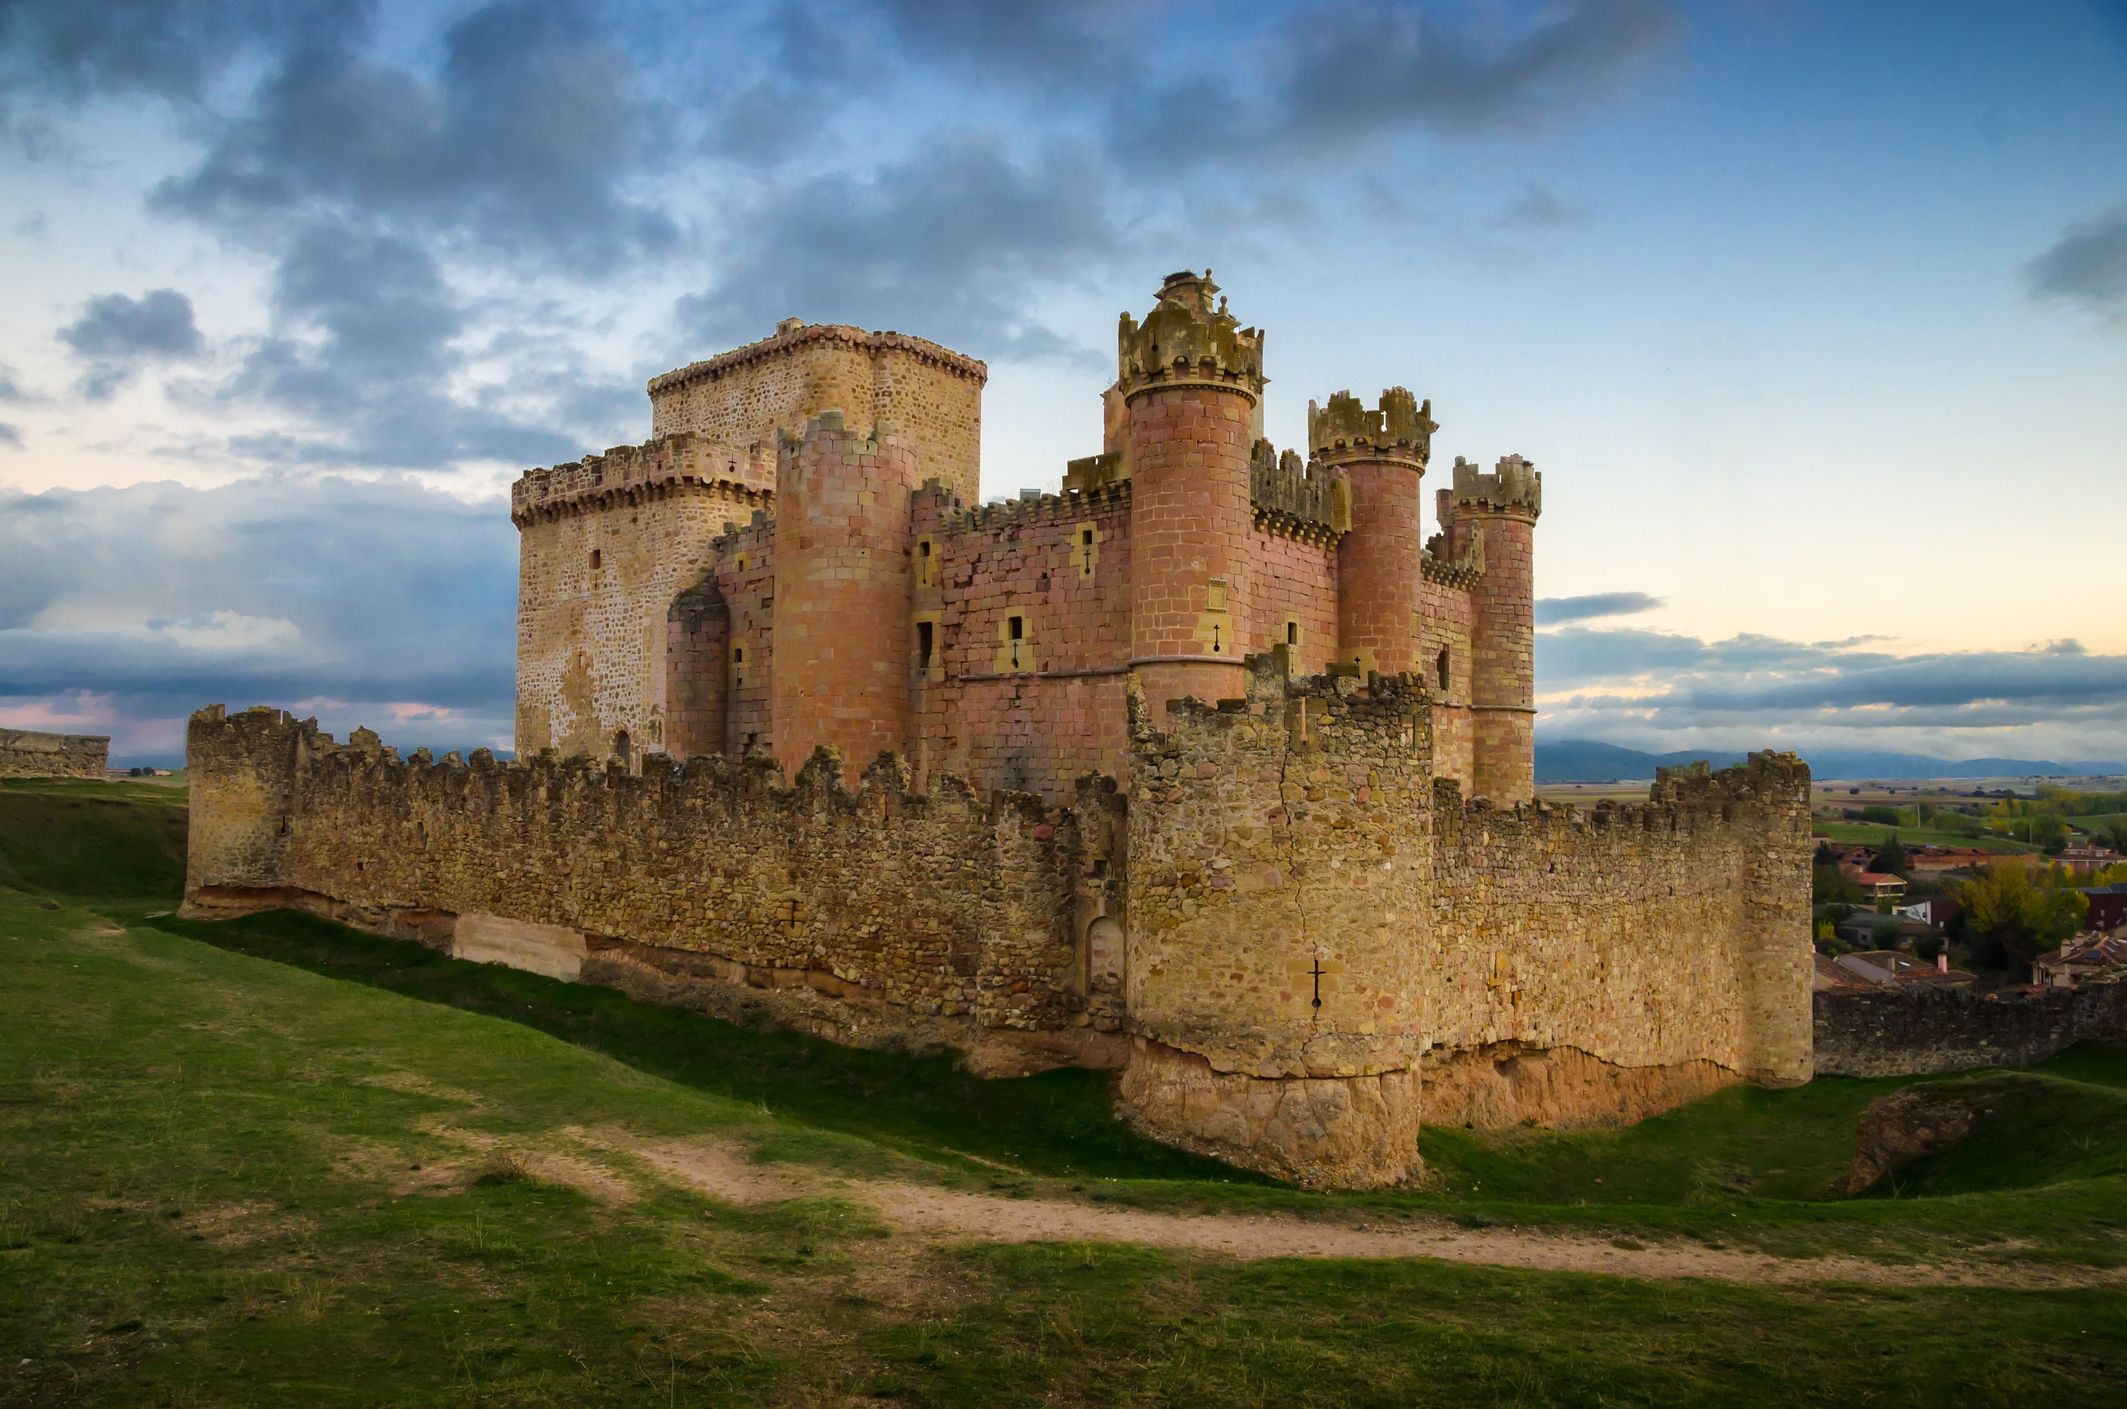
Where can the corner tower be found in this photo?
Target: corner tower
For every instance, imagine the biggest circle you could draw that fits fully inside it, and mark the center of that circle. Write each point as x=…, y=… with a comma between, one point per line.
x=1502, y=506
x=1383, y=454
x=1191, y=379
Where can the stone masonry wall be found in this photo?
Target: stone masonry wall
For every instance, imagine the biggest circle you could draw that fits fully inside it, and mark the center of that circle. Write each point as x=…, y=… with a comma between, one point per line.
x=1029, y=607
x=1293, y=593
x=935, y=905
x=749, y=395
x=605, y=546
x=1655, y=935
x=28, y=753
x=1919, y=1028
x=1667, y=945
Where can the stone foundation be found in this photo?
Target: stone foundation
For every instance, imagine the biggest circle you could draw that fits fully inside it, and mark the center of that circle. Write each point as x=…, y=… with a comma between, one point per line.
x=1336, y=1132
x=1564, y=1088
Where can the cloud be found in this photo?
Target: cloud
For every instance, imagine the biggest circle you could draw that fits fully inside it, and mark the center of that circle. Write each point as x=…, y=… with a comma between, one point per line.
x=2086, y=267
x=159, y=599
x=1550, y=611
x=11, y=392
x=1540, y=208
x=946, y=243
x=363, y=356
x=75, y=49
x=525, y=140
x=116, y=334
x=10, y=435
x=1640, y=687
x=1347, y=74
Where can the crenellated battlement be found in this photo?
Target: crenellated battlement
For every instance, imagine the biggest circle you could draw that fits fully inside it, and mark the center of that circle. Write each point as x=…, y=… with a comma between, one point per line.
x=1187, y=341
x=1399, y=429
x=657, y=467
x=1033, y=507
x=1450, y=569
x=1515, y=487
x=792, y=337
x=1307, y=500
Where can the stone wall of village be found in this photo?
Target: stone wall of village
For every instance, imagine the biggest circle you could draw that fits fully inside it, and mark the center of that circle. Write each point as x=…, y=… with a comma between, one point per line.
x=1914, y=1028
x=30, y=753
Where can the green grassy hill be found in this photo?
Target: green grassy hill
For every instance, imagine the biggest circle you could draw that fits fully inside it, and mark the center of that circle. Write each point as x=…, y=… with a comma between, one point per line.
x=271, y=1161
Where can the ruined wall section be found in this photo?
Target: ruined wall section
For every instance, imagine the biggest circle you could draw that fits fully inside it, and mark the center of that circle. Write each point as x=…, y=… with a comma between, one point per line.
x=1655, y=935
x=1028, y=608
x=745, y=580
x=31, y=753
x=751, y=394
x=605, y=547
x=1283, y=835
x=937, y=905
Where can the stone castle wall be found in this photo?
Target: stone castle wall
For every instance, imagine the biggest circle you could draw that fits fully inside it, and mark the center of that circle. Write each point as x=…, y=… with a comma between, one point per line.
x=1914, y=1029
x=1666, y=945
x=1029, y=602
x=1310, y=944
x=747, y=396
x=29, y=753
x=915, y=907
x=606, y=545
x=1293, y=593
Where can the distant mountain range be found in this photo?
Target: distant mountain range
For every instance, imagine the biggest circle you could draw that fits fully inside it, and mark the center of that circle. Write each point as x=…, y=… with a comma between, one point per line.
x=1586, y=761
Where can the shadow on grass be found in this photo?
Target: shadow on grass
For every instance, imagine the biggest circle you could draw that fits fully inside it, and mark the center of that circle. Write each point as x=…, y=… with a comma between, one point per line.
x=1059, y=1123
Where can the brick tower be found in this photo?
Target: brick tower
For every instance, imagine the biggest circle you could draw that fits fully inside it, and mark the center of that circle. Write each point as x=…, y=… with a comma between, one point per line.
x=1192, y=380
x=839, y=674
x=1383, y=454
x=1502, y=505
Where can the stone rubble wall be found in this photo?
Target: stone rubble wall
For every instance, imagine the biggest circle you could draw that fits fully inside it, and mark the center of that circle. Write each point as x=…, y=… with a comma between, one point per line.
x=938, y=905
x=30, y=753
x=1919, y=1028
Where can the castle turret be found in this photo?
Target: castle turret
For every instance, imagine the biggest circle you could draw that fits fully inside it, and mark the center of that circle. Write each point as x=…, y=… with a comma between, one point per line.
x=839, y=672
x=1501, y=506
x=1383, y=454
x=1191, y=378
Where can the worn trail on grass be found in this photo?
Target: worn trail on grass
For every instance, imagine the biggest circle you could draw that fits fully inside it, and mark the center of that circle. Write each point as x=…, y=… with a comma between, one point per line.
x=725, y=1172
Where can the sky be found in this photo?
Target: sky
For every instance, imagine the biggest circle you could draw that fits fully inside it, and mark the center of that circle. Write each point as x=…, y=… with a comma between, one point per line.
x=1814, y=315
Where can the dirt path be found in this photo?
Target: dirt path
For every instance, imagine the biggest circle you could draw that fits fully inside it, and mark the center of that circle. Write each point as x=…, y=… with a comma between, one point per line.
x=725, y=1172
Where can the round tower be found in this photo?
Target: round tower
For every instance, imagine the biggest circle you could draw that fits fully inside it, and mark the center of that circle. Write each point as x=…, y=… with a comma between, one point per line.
x=839, y=672
x=1191, y=380
x=1383, y=454
x=1502, y=506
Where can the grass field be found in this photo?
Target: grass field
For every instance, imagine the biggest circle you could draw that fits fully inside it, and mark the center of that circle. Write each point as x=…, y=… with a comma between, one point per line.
x=1876, y=833
x=273, y=1162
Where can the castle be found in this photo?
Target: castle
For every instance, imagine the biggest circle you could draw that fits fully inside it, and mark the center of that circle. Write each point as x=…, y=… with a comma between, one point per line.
x=1212, y=767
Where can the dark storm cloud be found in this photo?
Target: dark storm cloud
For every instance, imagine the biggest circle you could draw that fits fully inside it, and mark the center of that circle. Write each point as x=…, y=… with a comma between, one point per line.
x=116, y=334
x=1550, y=611
x=1345, y=74
x=523, y=140
x=111, y=48
x=264, y=590
x=2086, y=267
x=947, y=243
x=363, y=352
